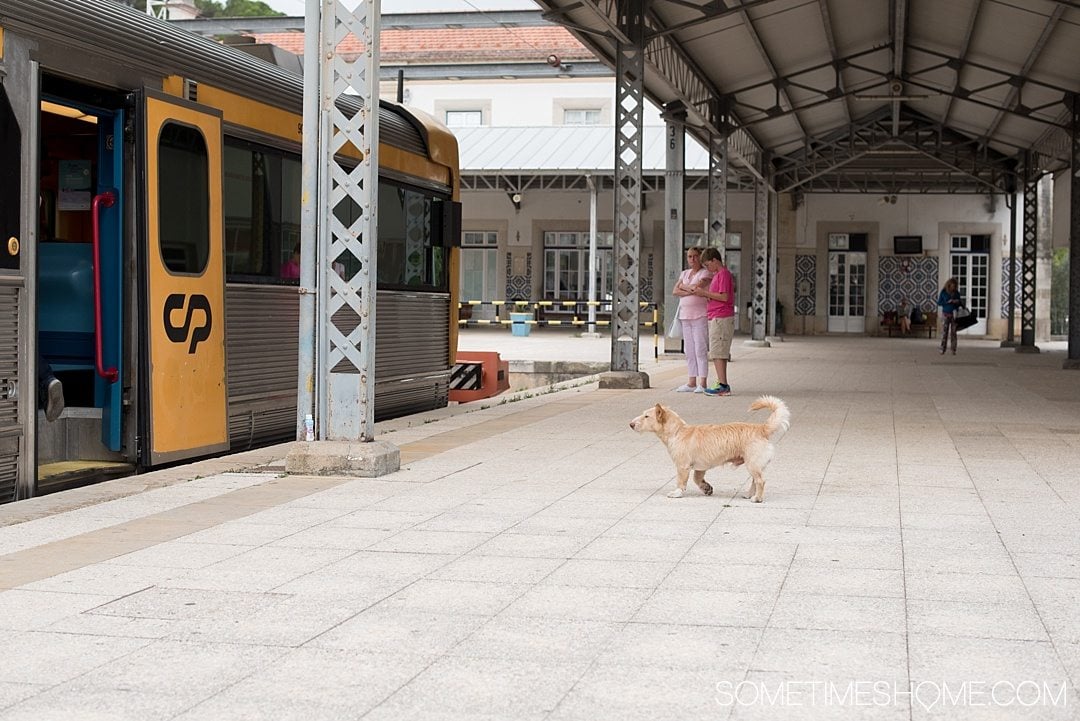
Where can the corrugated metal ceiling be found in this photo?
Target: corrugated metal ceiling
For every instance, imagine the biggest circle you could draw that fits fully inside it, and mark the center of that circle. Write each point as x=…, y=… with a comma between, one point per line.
x=997, y=73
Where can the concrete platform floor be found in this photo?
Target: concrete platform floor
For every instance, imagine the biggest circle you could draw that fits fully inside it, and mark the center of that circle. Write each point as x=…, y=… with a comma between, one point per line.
x=917, y=556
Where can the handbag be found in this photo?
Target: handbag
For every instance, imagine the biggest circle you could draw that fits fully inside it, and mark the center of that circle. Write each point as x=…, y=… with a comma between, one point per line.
x=674, y=329
x=965, y=320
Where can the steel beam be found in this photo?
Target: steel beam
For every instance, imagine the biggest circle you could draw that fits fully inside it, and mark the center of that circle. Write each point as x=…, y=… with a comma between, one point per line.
x=718, y=166
x=629, y=114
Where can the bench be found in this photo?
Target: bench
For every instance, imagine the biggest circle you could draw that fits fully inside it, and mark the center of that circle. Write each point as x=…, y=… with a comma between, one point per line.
x=890, y=323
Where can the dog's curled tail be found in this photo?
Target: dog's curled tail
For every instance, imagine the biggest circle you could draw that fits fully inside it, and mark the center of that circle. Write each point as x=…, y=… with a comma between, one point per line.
x=780, y=419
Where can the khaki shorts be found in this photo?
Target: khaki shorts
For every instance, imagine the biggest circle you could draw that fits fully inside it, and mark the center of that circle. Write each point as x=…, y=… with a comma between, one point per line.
x=721, y=331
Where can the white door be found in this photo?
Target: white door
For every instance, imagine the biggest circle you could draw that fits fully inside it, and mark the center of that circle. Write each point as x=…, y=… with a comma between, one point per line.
x=847, y=292
x=972, y=273
x=479, y=259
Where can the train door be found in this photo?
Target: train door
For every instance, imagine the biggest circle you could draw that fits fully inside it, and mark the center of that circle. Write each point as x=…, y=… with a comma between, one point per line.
x=15, y=407
x=80, y=282
x=183, y=385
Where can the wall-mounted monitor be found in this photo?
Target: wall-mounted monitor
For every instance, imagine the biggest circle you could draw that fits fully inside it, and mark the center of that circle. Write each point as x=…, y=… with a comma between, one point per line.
x=907, y=244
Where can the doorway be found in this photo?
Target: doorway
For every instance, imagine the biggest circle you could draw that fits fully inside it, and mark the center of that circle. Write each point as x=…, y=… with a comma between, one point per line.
x=969, y=263
x=847, y=292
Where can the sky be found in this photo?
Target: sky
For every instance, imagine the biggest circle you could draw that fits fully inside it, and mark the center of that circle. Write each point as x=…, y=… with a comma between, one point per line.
x=296, y=7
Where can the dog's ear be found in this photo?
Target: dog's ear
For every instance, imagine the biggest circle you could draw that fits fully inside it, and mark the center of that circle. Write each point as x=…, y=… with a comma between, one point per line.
x=660, y=413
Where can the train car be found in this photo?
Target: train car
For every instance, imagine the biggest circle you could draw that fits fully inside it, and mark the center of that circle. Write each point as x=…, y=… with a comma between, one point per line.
x=150, y=217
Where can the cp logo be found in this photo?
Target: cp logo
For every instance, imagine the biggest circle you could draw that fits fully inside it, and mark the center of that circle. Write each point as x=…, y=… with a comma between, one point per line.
x=180, y=334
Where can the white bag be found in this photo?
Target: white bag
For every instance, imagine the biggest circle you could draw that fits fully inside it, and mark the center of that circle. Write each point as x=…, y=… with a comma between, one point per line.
x=962, y=312
x=674, y=329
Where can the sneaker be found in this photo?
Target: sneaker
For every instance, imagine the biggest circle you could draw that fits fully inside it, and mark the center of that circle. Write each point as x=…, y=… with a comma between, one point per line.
x=699, y=389
x=684, y=388
x=718, y=389
x=54, y=402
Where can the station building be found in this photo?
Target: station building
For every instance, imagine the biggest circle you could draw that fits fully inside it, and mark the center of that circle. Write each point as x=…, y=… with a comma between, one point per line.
x=533, y=109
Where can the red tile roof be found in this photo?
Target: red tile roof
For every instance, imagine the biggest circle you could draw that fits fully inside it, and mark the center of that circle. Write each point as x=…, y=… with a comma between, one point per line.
x=455, y=45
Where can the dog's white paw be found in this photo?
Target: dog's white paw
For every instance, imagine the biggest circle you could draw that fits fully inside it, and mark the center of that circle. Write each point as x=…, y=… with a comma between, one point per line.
x=757, y=499
x=677, y=493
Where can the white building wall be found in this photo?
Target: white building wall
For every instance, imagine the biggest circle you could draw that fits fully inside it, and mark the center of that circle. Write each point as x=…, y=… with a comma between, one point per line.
x=515, y=102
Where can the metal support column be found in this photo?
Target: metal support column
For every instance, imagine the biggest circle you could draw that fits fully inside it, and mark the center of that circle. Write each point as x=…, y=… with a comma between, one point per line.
x=1010, y=330
x=1072, y=361
x=591, y=333
x=1030, y=252
x=718, y=167
x=771, y=294
x=759, y=274
x=629, y=113
x=674, y=212
x=344, y=324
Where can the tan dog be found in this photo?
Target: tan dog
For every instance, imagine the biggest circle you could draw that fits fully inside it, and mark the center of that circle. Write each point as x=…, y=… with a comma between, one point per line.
x=700, y=448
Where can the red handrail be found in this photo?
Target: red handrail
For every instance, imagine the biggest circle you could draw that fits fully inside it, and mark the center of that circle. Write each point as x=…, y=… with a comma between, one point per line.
x=108, y=199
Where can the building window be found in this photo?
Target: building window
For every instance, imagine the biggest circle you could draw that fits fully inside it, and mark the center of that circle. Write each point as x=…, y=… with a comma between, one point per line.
x=464, y=118
x=566, y=265
x=581, y=116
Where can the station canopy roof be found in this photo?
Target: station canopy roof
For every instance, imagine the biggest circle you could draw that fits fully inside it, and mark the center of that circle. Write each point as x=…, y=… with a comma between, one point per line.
x=560, y=157
x=874, y=96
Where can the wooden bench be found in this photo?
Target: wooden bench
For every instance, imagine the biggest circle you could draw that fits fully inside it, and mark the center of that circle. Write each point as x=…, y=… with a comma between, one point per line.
x=890, y=323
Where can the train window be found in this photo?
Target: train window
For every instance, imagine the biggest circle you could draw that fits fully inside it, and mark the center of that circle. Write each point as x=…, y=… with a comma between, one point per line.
x=412, y=253
x=183, y=199
x=262, y=211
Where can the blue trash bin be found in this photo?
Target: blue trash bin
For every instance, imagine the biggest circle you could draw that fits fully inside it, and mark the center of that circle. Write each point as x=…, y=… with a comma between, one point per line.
x=519, y=323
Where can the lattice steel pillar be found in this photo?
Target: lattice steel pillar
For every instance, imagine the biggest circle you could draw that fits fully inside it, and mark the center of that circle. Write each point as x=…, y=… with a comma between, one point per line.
x=759, y=283
x=674, y=204
x=771, y=294
x=1010, y=313
x=718, y=168
x=1030, y=255
x=629, y=113
x=345, y=234
x=1072, y=361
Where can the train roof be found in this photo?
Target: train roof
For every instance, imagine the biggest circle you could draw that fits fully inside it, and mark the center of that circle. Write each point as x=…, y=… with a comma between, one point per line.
x=133, y=37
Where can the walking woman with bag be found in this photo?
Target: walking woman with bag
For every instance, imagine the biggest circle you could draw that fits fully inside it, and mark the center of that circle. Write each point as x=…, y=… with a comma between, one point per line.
x=695, y=325
x=949, y=301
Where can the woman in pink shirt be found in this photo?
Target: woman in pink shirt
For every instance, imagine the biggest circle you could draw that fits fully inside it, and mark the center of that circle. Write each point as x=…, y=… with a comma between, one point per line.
x=695, y=325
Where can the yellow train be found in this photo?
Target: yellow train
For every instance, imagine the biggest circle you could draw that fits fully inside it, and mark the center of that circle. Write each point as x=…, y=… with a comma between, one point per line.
x=150, y=215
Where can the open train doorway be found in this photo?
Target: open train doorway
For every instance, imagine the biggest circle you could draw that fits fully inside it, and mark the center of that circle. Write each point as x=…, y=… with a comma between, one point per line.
x=80, y=281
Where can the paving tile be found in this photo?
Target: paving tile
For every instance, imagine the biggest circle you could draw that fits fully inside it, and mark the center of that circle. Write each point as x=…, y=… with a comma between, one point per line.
x=719, y=550
x=390, y=631
x=579, y=602
x=619, y=574
x=313, y=683
x=707, y=608
x=12, y=693
x=532, y=546
x=833, y=655
x=838, y=613
x=31, y=656
x=822, y=555
x=553, y=640
x=506, y=688
x=740, y=577
x=96, y=703
x=629, y=548
x=417, y=541
x=497, y=569
x=976, y=619
x=846, y=582
x=646, y=693
x=25, y=610
x=455, y=597
x=973, y=587
x=692, y=646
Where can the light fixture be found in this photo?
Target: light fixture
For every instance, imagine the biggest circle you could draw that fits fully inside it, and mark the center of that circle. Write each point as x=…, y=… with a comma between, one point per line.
x=515, y=198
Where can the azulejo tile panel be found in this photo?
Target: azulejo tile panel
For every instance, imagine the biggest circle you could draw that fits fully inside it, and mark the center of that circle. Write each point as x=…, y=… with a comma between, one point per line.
x=914, y=278
x=519, y=287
